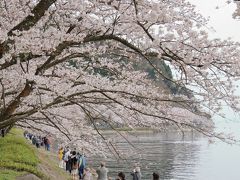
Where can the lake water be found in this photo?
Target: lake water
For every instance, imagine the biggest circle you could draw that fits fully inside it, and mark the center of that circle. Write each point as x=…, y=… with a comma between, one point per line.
x=175, y=157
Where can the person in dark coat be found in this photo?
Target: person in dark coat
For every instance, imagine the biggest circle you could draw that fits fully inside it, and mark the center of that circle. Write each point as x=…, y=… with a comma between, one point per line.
x=45, y=142
x=2, y=132
x=121, y=176
x=74, y=165
x=34, y=140
x=82, y=164
x=69, y=161
x=136, y=174
x=155, y=176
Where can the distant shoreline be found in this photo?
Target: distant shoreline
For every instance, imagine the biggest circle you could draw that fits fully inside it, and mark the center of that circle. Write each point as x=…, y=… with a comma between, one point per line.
x=144, y=130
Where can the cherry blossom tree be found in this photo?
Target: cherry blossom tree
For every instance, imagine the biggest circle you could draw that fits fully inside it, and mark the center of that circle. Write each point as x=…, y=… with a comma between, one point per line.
x=236, y=14
x=67, y=66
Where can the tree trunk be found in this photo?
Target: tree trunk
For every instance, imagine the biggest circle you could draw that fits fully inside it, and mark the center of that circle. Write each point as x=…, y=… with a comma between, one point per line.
x=11, y=108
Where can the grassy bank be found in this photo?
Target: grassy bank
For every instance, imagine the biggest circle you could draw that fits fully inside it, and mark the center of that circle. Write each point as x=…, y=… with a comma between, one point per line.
x=49, y=165
x=17, y=156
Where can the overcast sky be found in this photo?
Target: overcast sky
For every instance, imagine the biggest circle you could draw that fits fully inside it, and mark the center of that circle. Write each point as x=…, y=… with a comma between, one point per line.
x=220, y=19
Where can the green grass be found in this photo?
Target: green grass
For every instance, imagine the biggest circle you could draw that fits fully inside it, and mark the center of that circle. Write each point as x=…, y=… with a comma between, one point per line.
x=17, y=156
x=50, y=160
x=6, y=174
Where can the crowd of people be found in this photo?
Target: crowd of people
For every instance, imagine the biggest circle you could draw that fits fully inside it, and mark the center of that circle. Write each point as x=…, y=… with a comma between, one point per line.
x=75, y=162
x=102, y=173
x=38, y=141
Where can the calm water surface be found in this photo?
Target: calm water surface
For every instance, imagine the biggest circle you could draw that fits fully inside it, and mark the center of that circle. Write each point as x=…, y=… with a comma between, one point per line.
x=175, y=157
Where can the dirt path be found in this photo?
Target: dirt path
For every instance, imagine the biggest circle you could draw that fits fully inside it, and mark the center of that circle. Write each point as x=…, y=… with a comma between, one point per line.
x=49, y=166
x=28, y=177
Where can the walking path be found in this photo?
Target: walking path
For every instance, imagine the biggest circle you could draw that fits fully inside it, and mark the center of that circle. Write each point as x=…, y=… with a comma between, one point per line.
x=49, y=165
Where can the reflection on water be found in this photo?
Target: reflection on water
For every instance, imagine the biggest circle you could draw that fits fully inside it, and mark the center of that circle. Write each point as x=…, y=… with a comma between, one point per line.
x=169, y=154
x=175, y=158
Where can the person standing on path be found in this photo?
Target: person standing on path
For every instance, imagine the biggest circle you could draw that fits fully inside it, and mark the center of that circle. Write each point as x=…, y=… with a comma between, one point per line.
x=67, y=157
x=121, y=176
x=48, y=143
x=87, y=175
x=136, y=174
x=102, y=172
x=82, y=165
x=74, y=166
x=155, y=176
x=2, y=132
x=60, y=157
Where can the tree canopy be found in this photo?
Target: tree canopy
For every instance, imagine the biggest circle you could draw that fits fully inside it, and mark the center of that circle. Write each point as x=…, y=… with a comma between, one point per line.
x=50, y=51
x=236, y=14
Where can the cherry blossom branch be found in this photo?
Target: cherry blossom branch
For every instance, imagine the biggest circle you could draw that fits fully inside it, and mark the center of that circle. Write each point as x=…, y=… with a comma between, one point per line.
x=100, y=134
x=23, y=57
x=55, y=125
x=14, y=104
x=29, y=126
x=36, y=14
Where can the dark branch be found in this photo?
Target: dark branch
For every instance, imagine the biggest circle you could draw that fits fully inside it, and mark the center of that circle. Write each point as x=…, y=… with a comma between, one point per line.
x=36, y=14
